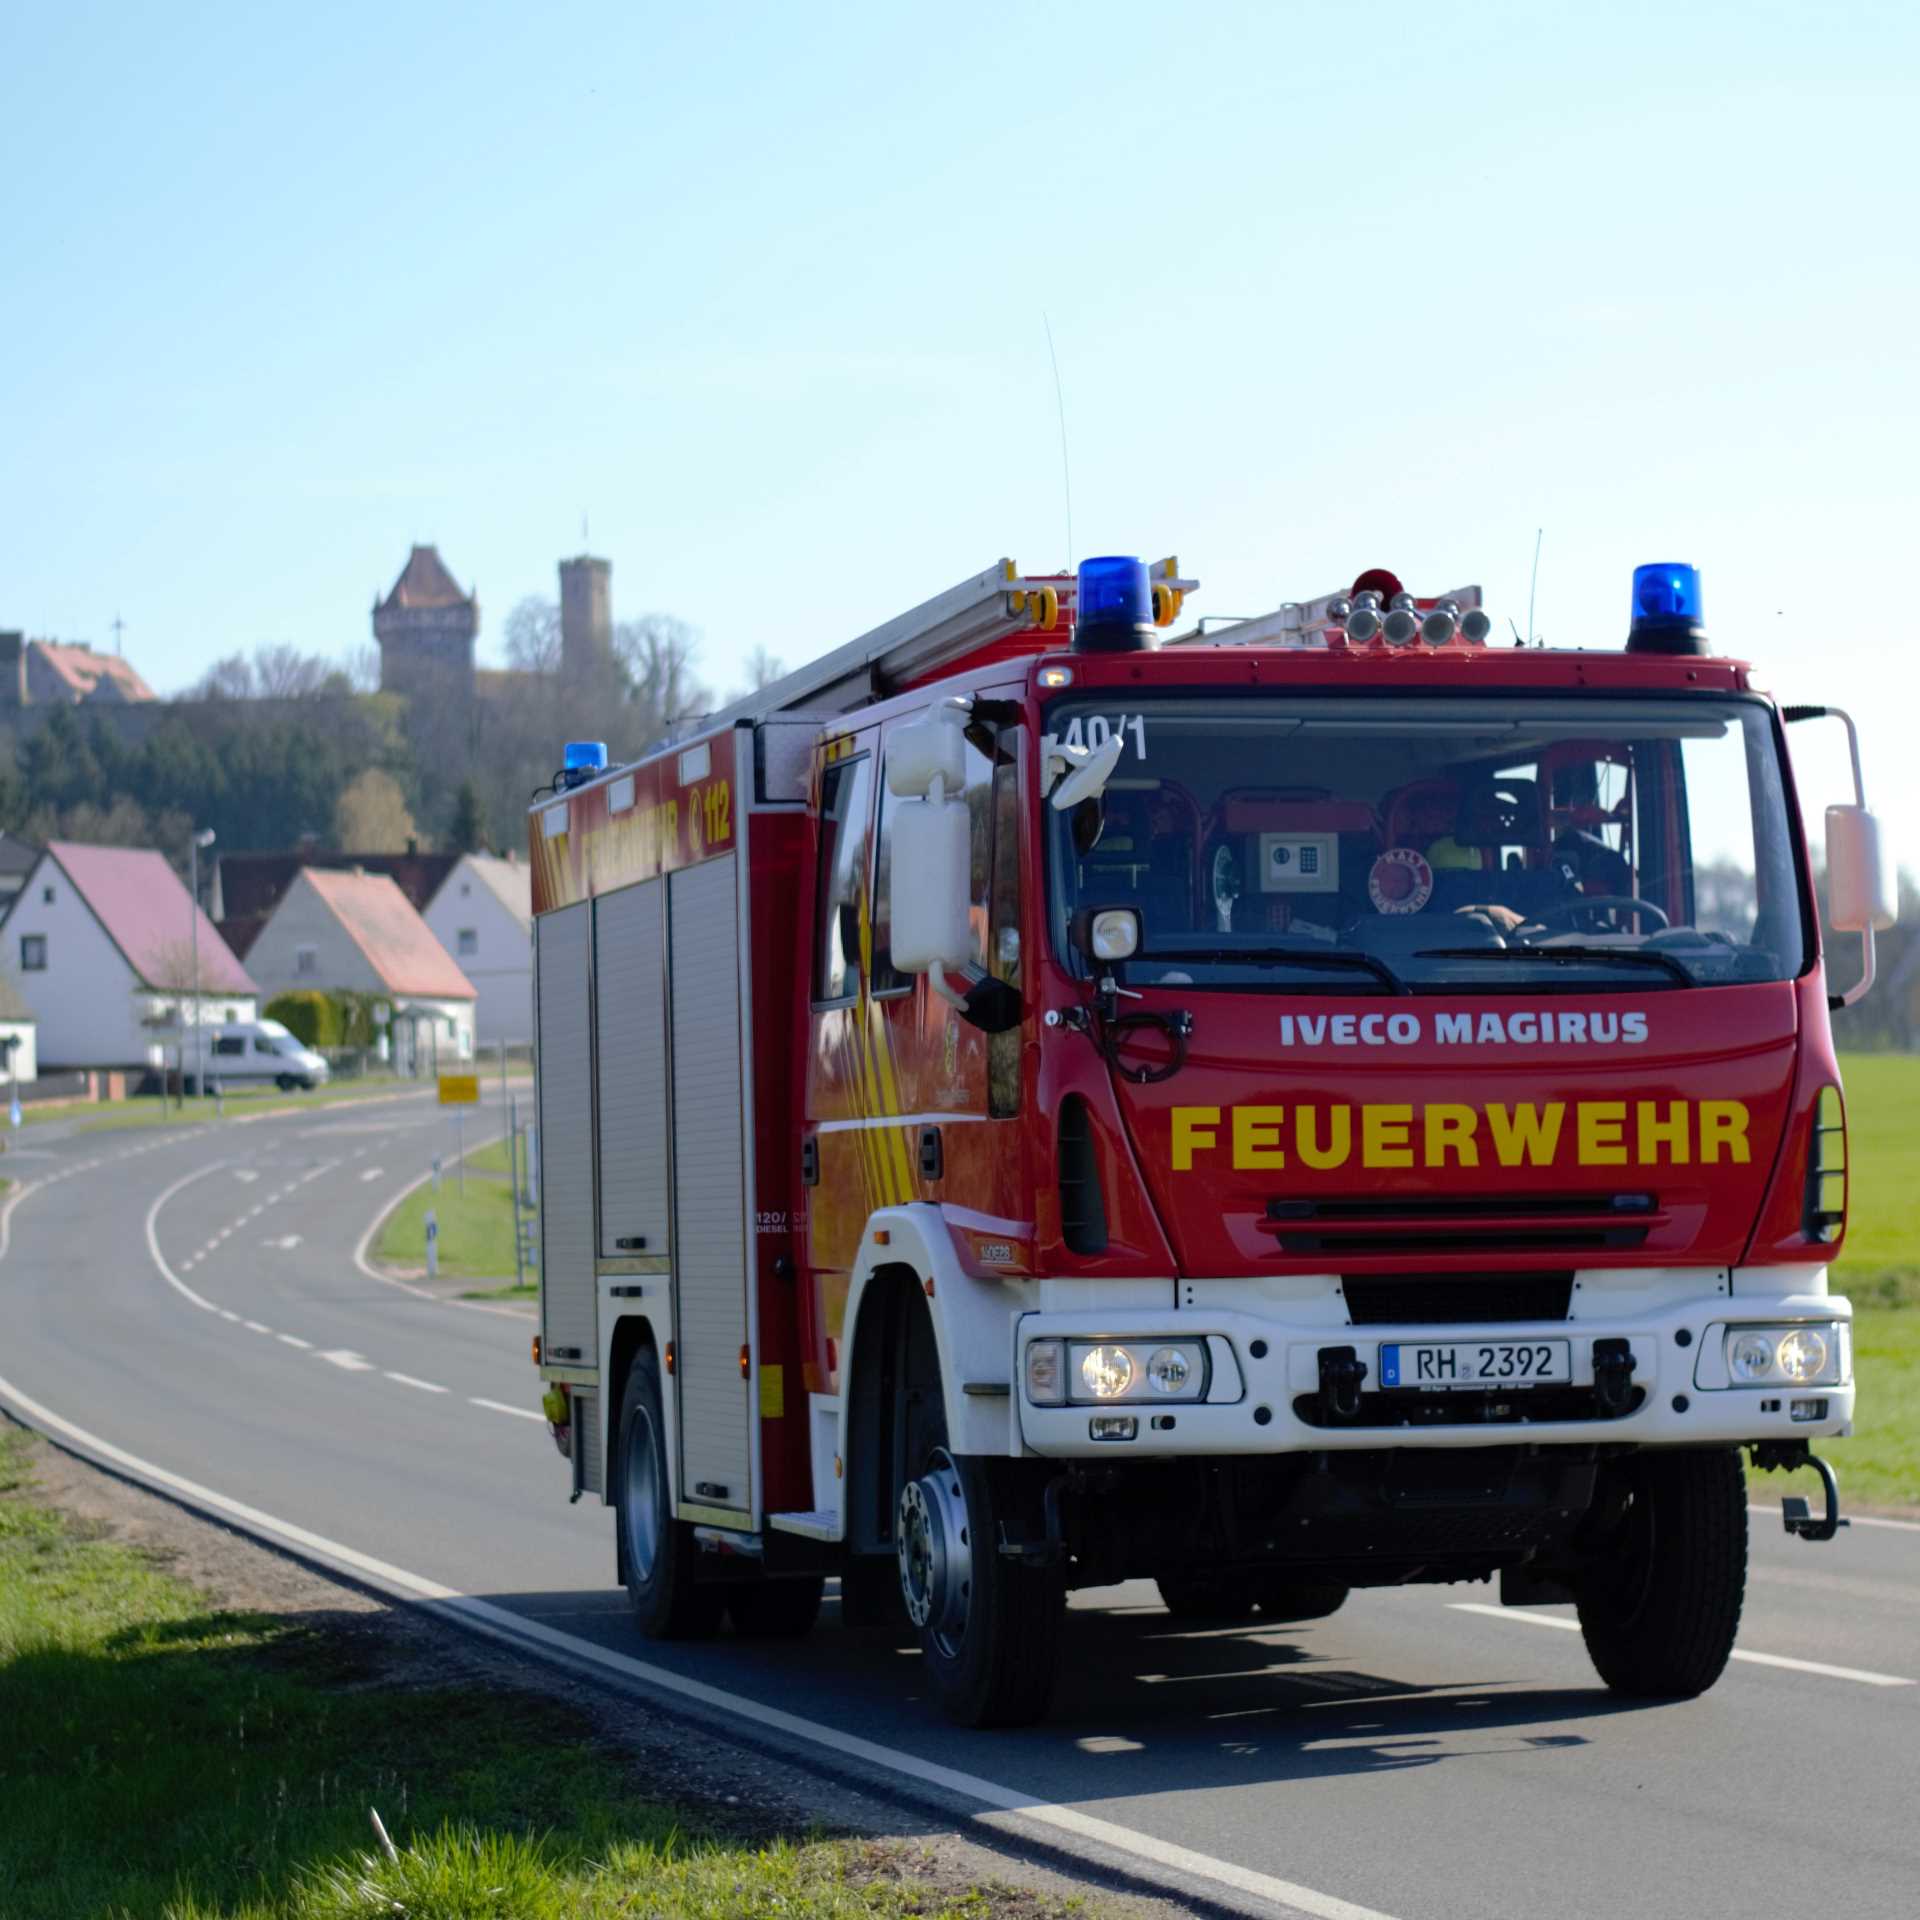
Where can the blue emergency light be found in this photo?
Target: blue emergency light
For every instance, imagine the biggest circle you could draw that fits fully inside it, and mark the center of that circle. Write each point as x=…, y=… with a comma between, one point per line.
x=582, y=760
x=1113, y=609
x=1666, y=609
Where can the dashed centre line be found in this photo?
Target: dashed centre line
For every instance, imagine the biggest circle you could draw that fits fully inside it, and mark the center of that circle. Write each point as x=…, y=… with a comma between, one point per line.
x=500, y=1406
x=407, y=1380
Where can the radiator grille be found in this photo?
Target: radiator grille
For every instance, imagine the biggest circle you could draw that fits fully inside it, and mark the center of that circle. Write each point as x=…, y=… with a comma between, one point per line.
x=1454, y=1299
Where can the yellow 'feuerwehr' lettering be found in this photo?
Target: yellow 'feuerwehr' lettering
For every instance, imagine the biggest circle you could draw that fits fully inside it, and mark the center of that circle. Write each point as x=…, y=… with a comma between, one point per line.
x=1384, y=1136
x=1450, y=1130
x=1306, y=1136
x=1256, y=1138
x=1526, y=1133
x=1671, y=1133
x=1723, y=1123
x=1192, y=1132
x=1600, y=1126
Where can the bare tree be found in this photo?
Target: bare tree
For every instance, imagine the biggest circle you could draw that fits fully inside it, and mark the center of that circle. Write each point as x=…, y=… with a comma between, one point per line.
x=227, y=679
x=285, y=673
x=656, y=654
x=533, y=636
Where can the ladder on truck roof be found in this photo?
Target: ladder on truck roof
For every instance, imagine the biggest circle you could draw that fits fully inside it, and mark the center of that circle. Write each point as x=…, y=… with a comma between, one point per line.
x=997, y=604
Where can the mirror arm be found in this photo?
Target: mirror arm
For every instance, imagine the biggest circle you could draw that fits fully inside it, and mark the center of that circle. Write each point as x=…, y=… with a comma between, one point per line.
x=937, y=980
x=1861, y=987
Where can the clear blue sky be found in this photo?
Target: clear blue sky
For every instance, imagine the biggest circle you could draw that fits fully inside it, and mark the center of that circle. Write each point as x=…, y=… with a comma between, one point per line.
x=761, y=289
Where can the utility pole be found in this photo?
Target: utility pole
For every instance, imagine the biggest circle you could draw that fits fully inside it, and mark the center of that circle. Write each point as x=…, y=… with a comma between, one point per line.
x=204, y=838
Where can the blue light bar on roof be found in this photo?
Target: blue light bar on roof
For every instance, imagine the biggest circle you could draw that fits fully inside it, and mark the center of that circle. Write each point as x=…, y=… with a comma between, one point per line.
x=582, y=761
x=1666, y=609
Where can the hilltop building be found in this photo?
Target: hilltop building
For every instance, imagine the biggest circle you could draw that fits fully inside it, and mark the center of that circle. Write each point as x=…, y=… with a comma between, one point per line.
x=49, y=673
x=586, y=615
x=426, y=628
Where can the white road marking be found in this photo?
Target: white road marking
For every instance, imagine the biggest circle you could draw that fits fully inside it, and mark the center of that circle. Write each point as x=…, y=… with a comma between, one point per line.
x=153, y=1239
x=373, y=1173
x=285, y=1244
x=407, y=1380
x=346, y=1357
x=254, y=1326
x=1820, y=1667
x=248, y=1174
x=294, y=1340
x=1856, y=1520
x=500, y=1406
x=226, y=1314
x=1001, y=1803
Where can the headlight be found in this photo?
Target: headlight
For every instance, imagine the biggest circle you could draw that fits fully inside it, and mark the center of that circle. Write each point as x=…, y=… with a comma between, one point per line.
x=1787, y=1356
x=1046, y=1382
x=1109, y=1370
x=1106, y=1372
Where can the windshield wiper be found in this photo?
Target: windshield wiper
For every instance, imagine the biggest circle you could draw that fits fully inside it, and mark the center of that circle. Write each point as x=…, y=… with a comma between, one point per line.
x=1630, y=956
x=1339, y=958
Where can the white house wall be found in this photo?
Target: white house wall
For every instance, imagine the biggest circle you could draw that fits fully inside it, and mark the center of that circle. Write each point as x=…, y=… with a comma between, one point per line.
x=303, y=919
x=501, y=967
x=85, y=1000
x=25, y=1064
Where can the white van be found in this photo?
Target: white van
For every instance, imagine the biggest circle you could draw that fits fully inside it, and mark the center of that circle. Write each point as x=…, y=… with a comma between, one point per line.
x=255, y=1050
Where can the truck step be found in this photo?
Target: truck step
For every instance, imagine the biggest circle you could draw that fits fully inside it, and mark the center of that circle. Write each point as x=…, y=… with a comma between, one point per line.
x=811, y=1526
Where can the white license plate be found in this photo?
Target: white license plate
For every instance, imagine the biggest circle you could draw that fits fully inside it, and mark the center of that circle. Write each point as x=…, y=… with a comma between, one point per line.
x=1431, y=1364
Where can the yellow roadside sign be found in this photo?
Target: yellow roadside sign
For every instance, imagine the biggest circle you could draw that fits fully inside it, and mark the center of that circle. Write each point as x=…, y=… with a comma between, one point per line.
x=459, y=1089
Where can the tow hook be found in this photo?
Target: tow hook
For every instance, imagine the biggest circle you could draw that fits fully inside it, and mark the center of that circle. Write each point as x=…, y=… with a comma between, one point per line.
x=1341, y=1373
x=1613, y=1364
x=1797, y=1517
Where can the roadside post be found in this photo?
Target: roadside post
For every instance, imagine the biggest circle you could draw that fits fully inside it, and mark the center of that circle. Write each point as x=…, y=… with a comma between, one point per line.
x=460, y=1091
x=433, y=1245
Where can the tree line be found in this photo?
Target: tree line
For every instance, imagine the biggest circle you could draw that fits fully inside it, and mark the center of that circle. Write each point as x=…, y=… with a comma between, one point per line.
x=284, y=749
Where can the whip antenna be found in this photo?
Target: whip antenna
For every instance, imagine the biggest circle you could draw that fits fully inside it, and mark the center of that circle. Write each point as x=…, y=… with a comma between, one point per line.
x=1533, y=585
x=1060, y=401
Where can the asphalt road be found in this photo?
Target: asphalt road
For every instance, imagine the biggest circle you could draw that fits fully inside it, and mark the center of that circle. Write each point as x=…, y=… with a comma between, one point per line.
x=194, y=1301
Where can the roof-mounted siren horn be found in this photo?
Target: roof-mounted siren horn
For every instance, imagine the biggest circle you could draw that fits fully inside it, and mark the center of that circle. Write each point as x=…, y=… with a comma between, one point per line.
x=1113, y=606
x=1402, y=622
x=1666, y=609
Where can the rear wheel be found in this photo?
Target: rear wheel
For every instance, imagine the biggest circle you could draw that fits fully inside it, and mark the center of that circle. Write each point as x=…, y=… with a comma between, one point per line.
x=776, y=1609
x=286, y=1082
x=657, y=1553
x=1660, y=1614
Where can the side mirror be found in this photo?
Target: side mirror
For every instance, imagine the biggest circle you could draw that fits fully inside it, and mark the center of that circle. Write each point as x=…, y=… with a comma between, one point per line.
x=928, y=884
x=1861, y=892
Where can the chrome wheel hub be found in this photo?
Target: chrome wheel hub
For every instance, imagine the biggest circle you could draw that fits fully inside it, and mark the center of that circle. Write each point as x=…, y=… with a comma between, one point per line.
x=934, y=1545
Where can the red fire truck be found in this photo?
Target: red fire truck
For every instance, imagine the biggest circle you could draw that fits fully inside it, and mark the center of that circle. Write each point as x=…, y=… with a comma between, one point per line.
x=1037, y=1099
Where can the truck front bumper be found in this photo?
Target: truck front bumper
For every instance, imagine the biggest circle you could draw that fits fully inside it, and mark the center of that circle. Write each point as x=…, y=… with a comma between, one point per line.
x=1266, y=1385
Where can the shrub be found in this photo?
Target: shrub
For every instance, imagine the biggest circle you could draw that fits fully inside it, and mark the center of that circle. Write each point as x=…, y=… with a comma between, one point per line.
x=312, y=1017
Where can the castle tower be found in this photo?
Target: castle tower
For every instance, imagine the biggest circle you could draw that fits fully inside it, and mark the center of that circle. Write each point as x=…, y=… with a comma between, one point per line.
x=586, y=615
x=426, y=628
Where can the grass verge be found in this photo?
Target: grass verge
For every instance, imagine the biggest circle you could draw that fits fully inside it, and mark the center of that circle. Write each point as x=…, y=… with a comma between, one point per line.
x=476, y=1228
x=164, y=1758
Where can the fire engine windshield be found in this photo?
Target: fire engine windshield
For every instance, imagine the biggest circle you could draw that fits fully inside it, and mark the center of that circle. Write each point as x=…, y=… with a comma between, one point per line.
x=1524, y=845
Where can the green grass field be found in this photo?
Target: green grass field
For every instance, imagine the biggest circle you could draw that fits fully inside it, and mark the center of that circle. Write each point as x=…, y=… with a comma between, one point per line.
x=1880, y=1272
x=164, y=1760
x=476, y=1229
x=149, y=1110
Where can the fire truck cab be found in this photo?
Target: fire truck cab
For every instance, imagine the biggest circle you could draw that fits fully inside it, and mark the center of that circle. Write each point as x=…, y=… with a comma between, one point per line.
x=1039, y=1098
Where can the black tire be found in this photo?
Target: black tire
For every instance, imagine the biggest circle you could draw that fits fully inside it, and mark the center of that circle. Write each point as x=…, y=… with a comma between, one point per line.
x=1285, y=1602
x=776, y=1609
x=1212, y=1598
x=287, y=1083
x=996, y=1667
x=1661, y=1613
x=656, y=1553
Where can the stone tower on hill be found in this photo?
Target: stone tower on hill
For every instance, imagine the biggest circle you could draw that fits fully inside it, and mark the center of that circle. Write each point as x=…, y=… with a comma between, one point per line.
x=586, y=614
x=426, y=628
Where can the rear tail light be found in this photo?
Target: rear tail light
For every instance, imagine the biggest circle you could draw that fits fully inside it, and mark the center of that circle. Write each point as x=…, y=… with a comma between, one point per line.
x=1827, y=1169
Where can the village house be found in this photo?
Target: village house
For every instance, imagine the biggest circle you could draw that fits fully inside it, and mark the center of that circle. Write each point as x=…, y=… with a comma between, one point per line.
x=483, y=916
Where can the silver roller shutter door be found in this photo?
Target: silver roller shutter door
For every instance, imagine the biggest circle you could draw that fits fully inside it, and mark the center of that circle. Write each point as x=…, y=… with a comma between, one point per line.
x=629, y=1002
x=567, y=1304
x=709, y=1248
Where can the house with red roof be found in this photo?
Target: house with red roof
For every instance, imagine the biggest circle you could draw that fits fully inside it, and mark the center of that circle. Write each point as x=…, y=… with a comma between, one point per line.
x=358, y=933
x=103, y=943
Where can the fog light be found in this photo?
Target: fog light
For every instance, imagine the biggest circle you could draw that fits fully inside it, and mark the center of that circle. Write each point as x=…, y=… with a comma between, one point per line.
x=1106, y=1371
x=1807, y=1409
x=1802, y=1354
x=1169, y=1370
x=1046, y=1382
x=1113, y=1426
x=1750, y=1357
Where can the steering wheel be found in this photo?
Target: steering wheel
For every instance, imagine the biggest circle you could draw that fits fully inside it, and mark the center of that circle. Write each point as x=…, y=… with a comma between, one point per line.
x=1591, y=903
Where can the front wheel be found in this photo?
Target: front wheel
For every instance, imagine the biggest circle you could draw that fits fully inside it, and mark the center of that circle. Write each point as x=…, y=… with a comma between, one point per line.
x=286, y=1082
x=988, y=1623
x=1287, y=1602
x=1206, y=1598
x=656, y=1551
x=1660, y=1614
